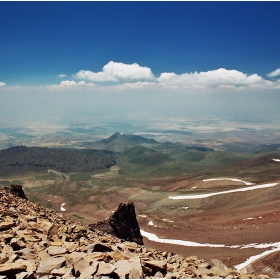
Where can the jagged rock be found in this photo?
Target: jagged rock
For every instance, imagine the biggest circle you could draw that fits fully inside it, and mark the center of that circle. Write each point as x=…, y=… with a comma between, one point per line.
x=124, y=223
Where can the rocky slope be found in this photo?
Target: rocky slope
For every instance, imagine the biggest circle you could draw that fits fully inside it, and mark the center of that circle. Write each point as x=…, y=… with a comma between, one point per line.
x=40, y=243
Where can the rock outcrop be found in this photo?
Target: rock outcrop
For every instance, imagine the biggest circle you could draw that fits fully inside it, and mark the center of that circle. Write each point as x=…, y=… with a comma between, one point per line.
x=125, y=225
x=18, y=191
x=36, y=242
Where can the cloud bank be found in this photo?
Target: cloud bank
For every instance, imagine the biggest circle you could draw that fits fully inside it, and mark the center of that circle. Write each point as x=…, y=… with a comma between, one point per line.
x=274, y=73
x=117, y=72
x=119, y=75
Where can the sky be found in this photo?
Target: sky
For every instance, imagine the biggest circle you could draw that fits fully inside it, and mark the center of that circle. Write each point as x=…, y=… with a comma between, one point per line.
x=62, y=60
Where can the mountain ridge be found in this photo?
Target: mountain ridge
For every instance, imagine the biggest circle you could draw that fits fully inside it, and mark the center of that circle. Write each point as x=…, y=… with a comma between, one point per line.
x=25, y=159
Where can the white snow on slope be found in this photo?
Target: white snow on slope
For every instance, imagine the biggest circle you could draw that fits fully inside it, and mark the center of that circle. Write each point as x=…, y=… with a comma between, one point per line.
x=275, y=159
x=276, y=246
x=229, y=179
x=153, y=237
x=256, y=257
x=224, y=192
x=62, y=208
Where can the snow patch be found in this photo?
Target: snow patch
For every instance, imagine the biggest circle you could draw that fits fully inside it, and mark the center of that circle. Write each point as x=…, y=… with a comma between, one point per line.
x=168, y=221
x=265, y=253
x=186, y=207
x=62, y=208
x=275, y=159
x=153, y=237
x=229, y=179
x=194, y=187
x=224, y=192
x=144, y=216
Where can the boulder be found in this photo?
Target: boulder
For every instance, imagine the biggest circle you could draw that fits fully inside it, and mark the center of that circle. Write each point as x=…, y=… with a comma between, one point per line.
x=125, y=224
x=17, y=190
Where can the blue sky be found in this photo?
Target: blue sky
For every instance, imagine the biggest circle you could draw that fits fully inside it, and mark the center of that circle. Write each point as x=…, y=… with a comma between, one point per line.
x=150, y=55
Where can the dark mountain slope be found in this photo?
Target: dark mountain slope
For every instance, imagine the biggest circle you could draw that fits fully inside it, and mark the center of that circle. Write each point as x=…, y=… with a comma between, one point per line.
x=25, y=159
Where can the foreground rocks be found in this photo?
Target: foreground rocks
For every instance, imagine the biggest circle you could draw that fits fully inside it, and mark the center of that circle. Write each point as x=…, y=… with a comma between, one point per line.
x=36, y=242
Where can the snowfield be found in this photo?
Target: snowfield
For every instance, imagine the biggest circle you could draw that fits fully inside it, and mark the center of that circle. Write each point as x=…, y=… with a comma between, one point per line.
x=224, y=192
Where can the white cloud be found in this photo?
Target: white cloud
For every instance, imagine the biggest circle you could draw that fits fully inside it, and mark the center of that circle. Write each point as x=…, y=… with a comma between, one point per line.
x=67, y=84
x=62, y=76
x=117, y=72
x=213, y=78
x=274, y=73
x=2, y=84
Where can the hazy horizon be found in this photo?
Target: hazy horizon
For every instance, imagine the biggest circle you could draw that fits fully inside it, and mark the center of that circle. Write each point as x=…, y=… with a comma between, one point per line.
x=64, y=62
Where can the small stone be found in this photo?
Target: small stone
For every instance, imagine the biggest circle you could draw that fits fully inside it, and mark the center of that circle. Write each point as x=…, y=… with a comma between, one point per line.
x=30, y=265
x=96, y=256
x=105, y=268
x=62, y=271
x=158, y=275
x=26, y=275
x=49, y=264
x=75, y=256
x=80, y=266
x=153, y=266
x=3, y=260
x=55, y=250
x=6, y=225
x=12, y=268
x=96, y=247
x=90, y=271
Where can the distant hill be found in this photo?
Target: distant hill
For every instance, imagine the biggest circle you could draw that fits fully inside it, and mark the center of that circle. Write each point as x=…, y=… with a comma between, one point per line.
x=141, y=160
x=20, y=159
x=120, y=142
